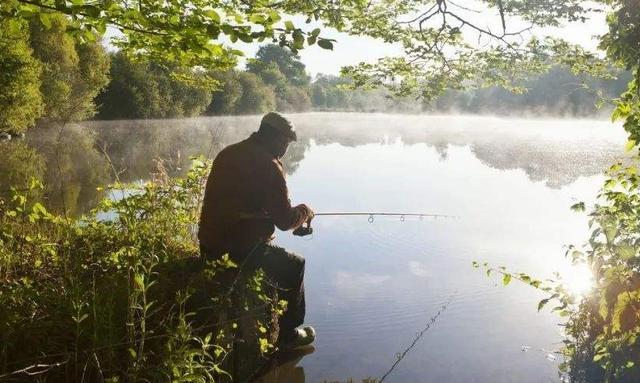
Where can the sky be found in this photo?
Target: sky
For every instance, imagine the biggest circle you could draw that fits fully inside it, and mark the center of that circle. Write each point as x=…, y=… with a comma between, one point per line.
x=350, y=50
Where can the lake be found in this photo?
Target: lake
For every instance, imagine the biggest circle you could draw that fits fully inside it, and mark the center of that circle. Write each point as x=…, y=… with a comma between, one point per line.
x=373, y=286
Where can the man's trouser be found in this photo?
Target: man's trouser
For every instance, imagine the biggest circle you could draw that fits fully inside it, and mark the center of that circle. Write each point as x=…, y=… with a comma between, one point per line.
x=283, y=269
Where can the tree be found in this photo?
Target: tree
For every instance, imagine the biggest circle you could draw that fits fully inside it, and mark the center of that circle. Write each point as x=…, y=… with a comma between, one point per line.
x=319, y=95
x=256, y=97
x=288, y=63
x=132, y=92
x=20, y=98
x=271, y=75
x=149, y=90
x=294, y=99
x=73, y=72
x=227, y=95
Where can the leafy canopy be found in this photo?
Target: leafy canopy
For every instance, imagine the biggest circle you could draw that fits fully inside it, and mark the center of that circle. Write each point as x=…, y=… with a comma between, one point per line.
x=187, y=32
x=445, y=44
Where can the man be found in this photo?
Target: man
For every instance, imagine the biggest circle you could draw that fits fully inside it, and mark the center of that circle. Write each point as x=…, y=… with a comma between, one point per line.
x=245, y=199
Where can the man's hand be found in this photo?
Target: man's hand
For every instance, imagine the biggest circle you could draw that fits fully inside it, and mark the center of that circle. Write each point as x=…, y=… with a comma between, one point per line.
x=305, y=229
x=309, y=212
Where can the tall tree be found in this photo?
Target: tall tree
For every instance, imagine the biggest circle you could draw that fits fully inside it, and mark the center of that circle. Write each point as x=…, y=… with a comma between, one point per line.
x=20, y=98
x=227, y=94
x=256, y=97
x=149, y=90
x=287, y=62
x=73, y=72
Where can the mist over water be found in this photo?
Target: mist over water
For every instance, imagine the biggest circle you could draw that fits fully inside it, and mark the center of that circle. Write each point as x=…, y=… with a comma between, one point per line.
x=372, y=286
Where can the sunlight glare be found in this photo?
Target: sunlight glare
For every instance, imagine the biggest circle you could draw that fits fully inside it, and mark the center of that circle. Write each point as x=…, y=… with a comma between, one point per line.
x=578, y=279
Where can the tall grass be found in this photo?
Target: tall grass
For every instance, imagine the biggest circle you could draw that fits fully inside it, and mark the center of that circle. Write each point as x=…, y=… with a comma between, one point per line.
x=120, y=294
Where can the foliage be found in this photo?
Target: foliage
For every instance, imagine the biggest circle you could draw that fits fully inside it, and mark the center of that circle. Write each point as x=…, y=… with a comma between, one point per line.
x=445, y=47
x=557, y=92
x=225, y=98
x=188, y=33
x=113, y=292
x=294, y=99
x=20, y=99
x=19, y=164
x=285, y=61
x=256, y=96
x=435, y=36
x=73, y=72
x=603, y=327
x=148, y=90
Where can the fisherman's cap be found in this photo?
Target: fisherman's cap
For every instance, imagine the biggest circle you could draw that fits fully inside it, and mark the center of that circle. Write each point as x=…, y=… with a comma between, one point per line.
x=280, y=124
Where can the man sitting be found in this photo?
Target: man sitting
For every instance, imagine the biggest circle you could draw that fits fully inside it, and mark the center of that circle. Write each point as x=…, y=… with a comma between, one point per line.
x=245, y=198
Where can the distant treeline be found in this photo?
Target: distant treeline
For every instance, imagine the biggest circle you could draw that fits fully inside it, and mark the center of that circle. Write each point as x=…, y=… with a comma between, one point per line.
x=274, y=80
x=47, y=74
x=557, y=92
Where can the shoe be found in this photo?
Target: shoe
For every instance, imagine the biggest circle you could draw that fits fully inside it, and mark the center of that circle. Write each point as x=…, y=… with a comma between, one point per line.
x=298, y=337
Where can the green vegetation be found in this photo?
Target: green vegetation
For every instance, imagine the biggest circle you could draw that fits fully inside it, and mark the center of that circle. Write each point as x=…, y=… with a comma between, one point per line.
x=47, y=74
x=120, y=295
x=72, y=73
x=141, y=90
x=20, y=99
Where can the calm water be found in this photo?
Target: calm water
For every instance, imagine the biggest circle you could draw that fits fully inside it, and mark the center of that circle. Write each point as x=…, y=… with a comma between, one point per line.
x=372, y=286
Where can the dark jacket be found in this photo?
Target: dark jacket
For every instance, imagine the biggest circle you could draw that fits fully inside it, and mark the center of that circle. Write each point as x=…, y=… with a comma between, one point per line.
x=245, y=198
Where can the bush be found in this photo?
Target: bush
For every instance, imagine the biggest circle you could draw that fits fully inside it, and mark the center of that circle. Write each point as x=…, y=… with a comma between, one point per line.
x=119, y=295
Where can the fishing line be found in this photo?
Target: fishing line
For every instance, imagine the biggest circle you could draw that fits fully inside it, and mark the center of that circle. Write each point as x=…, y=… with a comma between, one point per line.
x=306, y=230
x=371, y=215
x=419, y=336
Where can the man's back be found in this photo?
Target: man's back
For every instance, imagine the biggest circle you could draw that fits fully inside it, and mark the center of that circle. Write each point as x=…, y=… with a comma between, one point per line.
x=245, y=198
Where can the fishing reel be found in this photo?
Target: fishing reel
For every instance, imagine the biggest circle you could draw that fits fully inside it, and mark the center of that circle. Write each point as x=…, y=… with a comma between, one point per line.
x=303, y=230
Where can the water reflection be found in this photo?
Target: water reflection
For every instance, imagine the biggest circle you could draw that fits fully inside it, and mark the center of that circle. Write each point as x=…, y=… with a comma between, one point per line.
x=284, y=367
x=72, y=162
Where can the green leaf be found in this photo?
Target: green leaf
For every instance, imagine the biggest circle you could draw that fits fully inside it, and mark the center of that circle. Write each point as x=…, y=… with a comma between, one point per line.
x=289, y=25
x=91, y=10
x=630, y=145
x=45, y=19
x=626, y=251
x=298, y=39
x=579, y=207
x=543, y=302
x=38, y=208
x=274, y=16
x=506, y=279
x=325, y=44
x=257, y=18
x=213, y=15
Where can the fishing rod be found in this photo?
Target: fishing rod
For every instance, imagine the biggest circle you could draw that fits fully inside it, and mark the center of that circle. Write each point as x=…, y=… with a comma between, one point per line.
x=371, y=215
x=307, y=230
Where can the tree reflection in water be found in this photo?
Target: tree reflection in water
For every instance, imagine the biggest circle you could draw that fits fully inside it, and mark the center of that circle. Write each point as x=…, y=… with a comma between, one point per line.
x=71, y=161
